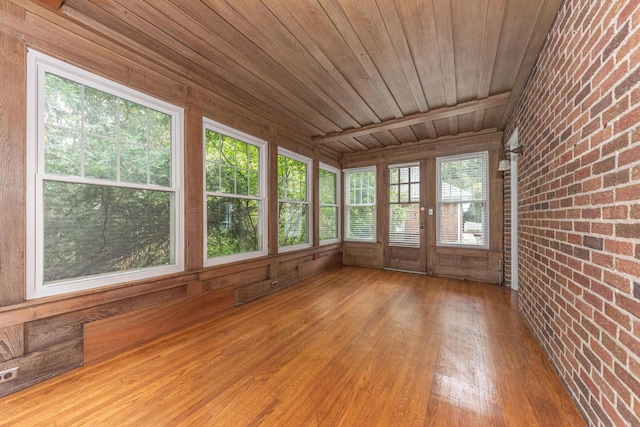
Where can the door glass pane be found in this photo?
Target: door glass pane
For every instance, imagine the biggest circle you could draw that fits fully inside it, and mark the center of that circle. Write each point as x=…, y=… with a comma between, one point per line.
x=404, y=207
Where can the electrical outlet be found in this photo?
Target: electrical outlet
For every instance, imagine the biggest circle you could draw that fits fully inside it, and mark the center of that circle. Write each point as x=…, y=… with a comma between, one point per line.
x=9, y=374
x=274, y=283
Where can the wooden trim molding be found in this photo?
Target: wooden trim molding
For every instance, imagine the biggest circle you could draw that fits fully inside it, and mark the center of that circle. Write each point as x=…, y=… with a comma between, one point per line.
x=441, y=113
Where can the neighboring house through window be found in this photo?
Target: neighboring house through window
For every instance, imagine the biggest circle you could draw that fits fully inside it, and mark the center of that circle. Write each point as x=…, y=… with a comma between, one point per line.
x=462, y=200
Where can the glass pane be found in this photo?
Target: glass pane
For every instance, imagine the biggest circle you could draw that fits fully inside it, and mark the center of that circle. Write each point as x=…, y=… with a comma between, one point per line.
x=62, y=152
x=404, y=193
x=100, y=113
x=159, y=130
x=91, y=229
x=328, y=181
x=292, y=179
x=100, y=158
x=328, y=222
x=415, y=193
x=415, y=174
x=462, y=179
x=63, y=102
x=462, y=223
x=394, y=194
x=133, y=122
x=404, y=175
x=133, y=163
x=212, y=146
x=404, y=225
x=292, y=224
x=160, y=168
x=393, y=176
x=233, y=226
x=361, y=222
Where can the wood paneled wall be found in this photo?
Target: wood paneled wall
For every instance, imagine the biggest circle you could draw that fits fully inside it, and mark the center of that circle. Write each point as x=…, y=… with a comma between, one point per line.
x=483, y=265
x=48, y=336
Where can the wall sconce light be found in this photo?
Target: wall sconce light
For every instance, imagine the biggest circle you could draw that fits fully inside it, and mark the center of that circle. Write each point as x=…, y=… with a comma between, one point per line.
x=505, y=164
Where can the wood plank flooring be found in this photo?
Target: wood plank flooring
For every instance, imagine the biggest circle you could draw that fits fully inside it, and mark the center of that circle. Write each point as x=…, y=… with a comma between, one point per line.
x=353, y=347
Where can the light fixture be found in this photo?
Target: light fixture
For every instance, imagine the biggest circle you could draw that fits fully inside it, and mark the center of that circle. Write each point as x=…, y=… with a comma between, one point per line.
x=505, y=164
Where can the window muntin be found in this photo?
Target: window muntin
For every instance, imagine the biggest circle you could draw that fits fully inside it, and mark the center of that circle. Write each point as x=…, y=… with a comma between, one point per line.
x=360, y=204
x=104, y=188
x=404, y=205
x=294, y=201
x=235, y=192
x=462, y=200
x=329, y=185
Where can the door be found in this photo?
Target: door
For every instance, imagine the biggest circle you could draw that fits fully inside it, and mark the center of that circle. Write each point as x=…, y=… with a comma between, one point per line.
x=405, y=222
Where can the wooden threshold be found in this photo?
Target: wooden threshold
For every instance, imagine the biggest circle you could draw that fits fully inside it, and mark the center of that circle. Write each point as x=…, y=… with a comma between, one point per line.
x=353, y=346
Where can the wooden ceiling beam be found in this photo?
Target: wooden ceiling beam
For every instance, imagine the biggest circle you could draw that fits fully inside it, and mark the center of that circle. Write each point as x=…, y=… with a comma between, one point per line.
x=53, y=4
x=440, y=113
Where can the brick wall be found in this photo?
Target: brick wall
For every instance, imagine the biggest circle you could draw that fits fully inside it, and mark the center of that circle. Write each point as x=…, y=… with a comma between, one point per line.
x=579, y=205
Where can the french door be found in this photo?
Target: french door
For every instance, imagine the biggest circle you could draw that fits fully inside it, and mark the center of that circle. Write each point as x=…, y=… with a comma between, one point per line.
x=405, y=238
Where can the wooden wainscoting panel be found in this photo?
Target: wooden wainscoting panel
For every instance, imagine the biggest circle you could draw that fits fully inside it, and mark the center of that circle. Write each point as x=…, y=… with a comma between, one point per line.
x=289, y=265
x=11, y=342
x=363, y=254
x=237, y=278
x=107, y=337
x=311, y=268
x=46, y=332
x=40, y=365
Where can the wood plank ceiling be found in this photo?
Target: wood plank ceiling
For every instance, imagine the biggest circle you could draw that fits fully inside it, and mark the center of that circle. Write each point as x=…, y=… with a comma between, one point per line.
x=352, y=75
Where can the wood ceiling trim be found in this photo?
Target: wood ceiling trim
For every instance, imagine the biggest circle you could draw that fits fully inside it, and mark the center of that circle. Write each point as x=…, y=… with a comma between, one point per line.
x=53, y=4
x=441, y=113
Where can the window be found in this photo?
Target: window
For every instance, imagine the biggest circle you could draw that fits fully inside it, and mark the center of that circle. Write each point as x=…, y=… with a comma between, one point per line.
x=404, y=205
x=462, y=210
x=360, y=209
x=235, y=191
x=104, y=181
x=294, y=195
x=329, y=204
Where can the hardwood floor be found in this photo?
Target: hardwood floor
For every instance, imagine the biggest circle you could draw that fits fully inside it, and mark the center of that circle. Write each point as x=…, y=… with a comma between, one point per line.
x=354, y=347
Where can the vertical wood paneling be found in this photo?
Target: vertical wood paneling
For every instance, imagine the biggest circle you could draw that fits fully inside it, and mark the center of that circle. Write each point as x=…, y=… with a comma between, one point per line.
x=12, y=168
x=194, y=187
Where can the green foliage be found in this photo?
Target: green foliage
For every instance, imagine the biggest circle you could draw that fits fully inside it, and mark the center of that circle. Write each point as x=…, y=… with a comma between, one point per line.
x=233, y=220
x=233, y=226
x=94, y=229
x=90, y=228
x=292, y=208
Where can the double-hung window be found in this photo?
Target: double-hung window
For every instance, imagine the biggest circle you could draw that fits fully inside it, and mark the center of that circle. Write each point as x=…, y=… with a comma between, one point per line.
x=329, y=204
x=104, y=178
x=462, y=200
x=294, y=201
x=235, y=191
x=360, y=204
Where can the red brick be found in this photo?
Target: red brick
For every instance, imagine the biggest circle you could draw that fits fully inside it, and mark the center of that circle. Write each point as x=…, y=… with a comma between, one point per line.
x=631, y=155
x=630, y=119
x=615, y=212
x=615, y=280
x=627, y=193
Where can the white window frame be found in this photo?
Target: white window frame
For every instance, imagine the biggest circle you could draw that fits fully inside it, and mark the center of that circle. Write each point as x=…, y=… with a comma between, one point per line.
x=208, y=124
x=484, y=156
x=37, y=65
x=336, y=171
x=348, y=205
x=308, y=202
